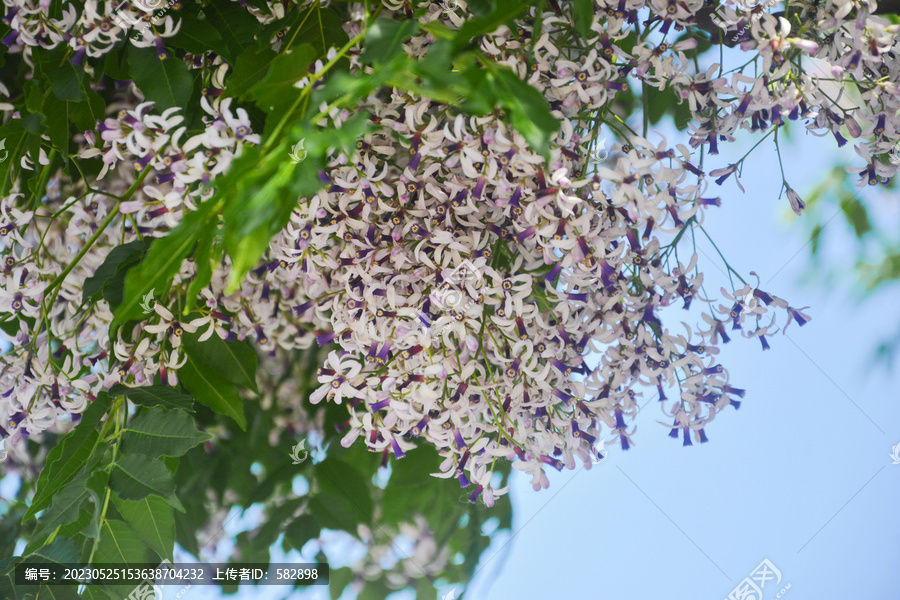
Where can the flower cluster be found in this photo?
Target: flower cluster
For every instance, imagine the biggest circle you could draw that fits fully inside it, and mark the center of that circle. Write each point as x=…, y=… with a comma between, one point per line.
x=90, y=28
x=560, y=272
x=561, y=327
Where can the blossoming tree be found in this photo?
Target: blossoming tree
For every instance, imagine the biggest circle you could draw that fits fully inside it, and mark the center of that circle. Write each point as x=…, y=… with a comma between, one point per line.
x=394, y=227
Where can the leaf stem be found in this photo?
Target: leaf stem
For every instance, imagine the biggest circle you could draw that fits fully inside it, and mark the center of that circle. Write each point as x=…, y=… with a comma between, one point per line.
x=109, y=218
x=45, y=173
x=727, y=266
x=119, y=426
x=306, y=91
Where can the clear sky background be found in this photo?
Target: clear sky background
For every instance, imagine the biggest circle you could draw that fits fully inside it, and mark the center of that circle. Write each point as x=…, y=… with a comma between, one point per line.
x=801, y=475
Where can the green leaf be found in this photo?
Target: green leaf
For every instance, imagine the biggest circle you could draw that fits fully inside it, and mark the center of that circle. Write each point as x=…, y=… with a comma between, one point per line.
x=161, y=432
x=682, y=116
x=815, y=238
x=65, y=507
x=186, y=530
x=258, y=542
x=153, y=520
x=34, y=124
x=119, y=544
x=408, y=492
x=276, y=91
x=338, y=579
x=84, y=115
x=260, y=194
x=374, y=590
x=116, y=256
x=301, y=530
x=235, y=361
x=135, y=477
x=64, y=118
x=481, y=98
x=425, y=590
x=249, y=68
x=161, y=263
x=199, y=36
x=55, y=555
x=204, y=259
x=66, y=515
x=212, y=390
x=322, y=28
x=8, y=587
x=154, y=395
x=484, y=8
x=36, y=96
x=384, y=39
x=113, y=289
x=583, y=15
x=246, y=250
x=439, y=77
x=503, y=14
x=658, y=103
x=115, y=64
x=96, y=486
x=856, y=215
x=11, y=529
x=429, y=79
x=343, y=500
x=167, y=83
x=80, y=526
x=61, y=551
x=69, y=456
x=14, y=140
x=65, y=82
x=527, y=109
x=543, y=301
x=236, y=25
